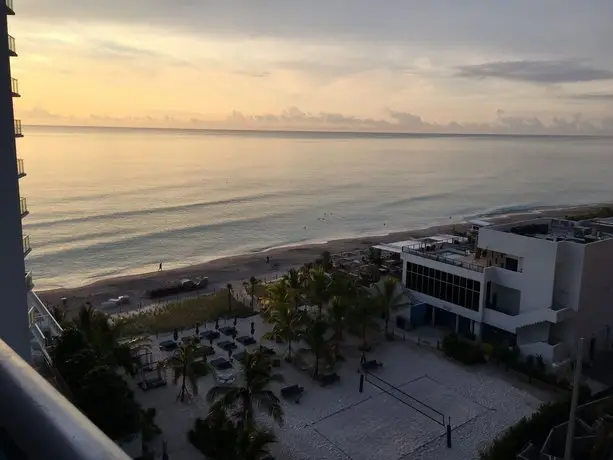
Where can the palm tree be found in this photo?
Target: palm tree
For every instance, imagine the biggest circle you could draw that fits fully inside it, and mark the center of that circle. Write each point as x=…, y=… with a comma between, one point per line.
x=287, y=325
x=389, y=297
x=250, y=287
x=325, y=261
x=337, y=316
x=295, y=284
x=229, y=288
x=319, y=288
x=363, y=315
x=182, y=364
x=252, y=444
x=314, y=336
x=254, y=392
x=373, y=256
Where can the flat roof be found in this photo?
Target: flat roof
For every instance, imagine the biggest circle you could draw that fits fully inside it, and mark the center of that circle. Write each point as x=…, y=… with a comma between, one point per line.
x=480, y=223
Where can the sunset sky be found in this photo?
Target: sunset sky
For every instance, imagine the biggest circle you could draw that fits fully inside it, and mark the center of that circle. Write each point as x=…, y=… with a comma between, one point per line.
x=463, y=66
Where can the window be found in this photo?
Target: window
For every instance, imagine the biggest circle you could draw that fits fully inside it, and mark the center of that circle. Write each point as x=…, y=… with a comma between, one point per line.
x=445, y=286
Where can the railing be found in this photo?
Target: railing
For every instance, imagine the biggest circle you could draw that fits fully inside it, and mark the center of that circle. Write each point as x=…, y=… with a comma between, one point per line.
x=29, y=281
x=21, y=170
x=26, y=245
x=43, y=316
x=18, y=132
x=15, y=87
x=443, y=259
x=12, y=48
x=9, y=7
x=23, y=207
x=42, y=423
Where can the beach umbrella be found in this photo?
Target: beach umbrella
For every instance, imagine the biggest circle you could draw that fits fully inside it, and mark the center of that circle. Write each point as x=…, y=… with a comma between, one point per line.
x=217, y=323
x=252, y=328
x=235, y=320
x=175, y=335
x=230, y=353
x=234, y=332
x=211, y=340
x=197, y=330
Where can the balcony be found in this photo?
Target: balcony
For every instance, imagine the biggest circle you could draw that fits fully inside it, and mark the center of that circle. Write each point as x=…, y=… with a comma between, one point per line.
x=18, y=132
x=9, y=7
x=12, y=49
x=29, y=281
x=21, y=171
x=27, y=248
x=39, y=423
x=450, y=252
x=15, y=87
x=510, y=322
x=23, y=207
x=41, y=316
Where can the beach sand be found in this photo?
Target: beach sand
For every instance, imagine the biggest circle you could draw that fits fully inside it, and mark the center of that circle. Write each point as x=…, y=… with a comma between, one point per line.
x=240, y=268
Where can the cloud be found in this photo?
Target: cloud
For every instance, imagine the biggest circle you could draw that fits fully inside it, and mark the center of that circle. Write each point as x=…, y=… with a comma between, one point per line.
x=602, y=97
x=561, y=71
x=116, y=50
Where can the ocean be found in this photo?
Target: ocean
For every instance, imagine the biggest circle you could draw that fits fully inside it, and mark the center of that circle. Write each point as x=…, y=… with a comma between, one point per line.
x=106, y=202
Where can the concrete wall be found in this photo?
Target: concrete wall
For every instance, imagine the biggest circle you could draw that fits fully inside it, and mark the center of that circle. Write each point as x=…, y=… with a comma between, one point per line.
x=533, y=333
x=569, y=272
x=14, y=328
x=537, y=260
x=507, y=299
x=595, y=315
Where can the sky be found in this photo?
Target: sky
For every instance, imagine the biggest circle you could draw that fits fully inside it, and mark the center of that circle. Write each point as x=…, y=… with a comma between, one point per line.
x=508, y=66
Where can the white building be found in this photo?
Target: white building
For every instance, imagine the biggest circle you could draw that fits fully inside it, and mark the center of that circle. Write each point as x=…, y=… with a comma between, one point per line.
x=21, y=311
x=539, y=284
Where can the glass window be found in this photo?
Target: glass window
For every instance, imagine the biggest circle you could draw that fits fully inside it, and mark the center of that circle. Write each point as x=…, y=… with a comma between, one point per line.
x=463, y=282
x=455, y=295
x=456, y=280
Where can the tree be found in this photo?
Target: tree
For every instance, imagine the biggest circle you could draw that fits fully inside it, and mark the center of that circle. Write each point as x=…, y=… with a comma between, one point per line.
x=250, y=287
x=230, y=290
x=337, y=316
x=389, y=297
x=373, y=256
x=325, y=260
x=182, y=363
x=314, y=336
x=287, y=325
x=319, y=288
x=219, y=437
x=362, y=316
x=295, y=285
x=240, y=400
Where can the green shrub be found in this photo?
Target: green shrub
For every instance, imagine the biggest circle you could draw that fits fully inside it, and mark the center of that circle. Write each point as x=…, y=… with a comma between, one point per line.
x=462, y=350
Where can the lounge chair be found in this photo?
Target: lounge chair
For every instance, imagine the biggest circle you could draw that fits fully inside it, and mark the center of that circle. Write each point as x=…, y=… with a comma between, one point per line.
x=240, y=356
x=221, y=364
x=371, y=365
x=205, y=350
x=208, y=335
x=228, y=330
x=150, y=384
x=328, y=379
x=292, y=392
x=267, y=351
x=190, y=339
x=246, y=340
x=227, y=345
x=168, y=345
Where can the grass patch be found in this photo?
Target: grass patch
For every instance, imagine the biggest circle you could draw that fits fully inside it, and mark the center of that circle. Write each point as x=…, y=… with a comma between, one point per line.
x=183, y=314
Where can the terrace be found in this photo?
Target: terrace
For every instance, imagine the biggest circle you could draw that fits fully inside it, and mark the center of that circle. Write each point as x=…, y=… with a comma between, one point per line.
x=448, y=249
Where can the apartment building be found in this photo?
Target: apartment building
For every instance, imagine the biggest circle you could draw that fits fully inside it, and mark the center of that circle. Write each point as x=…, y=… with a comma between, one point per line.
x=539, y=284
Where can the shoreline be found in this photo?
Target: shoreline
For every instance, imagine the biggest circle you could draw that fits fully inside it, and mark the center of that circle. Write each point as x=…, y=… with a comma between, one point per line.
x=238, y=268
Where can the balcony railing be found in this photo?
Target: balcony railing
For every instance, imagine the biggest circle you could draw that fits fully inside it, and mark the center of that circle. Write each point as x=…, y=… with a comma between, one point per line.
x=43, y=317
x=12, y=48
x=41, y=423
x=18, y=132
x=9, y=7
x=23, y=207
x=27, y=248
x=21, y=171
x=441, y=258
x=15, y=87
x=29, y=281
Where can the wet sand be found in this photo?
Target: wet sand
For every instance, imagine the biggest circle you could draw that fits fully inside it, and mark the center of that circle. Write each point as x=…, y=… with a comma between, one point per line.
x=240, y=268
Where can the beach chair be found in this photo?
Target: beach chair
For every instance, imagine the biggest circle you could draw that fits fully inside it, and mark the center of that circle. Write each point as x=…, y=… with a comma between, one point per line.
x=168, y=345
x=208, y=335
x=246, y=340
x=293, y=392
x=227, y=345
x=221, y=364
x=371, y=365
x=228, y=330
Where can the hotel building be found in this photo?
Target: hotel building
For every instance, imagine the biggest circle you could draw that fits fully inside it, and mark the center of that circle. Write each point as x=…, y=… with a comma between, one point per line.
x=538, y=284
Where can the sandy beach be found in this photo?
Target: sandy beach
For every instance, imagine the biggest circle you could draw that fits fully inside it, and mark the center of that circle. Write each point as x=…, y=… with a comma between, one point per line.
x=240, y=268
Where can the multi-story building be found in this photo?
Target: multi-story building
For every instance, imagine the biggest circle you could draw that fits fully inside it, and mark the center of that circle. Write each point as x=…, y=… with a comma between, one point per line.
x=539, y=284
x=22, y=312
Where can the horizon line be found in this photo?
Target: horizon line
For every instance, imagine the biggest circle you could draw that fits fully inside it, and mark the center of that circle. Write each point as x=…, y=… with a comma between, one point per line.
x=319, y=131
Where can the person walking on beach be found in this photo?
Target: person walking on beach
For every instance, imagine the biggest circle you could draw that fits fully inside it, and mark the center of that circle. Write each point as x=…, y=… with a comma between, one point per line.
x=267, y=259
x=160, y=269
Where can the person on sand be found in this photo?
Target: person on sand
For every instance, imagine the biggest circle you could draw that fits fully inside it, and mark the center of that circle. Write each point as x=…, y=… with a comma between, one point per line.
x=267, y=259
x=160, y=269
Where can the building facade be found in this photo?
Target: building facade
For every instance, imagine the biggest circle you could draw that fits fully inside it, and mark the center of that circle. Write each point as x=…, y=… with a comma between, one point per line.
x=539, y=284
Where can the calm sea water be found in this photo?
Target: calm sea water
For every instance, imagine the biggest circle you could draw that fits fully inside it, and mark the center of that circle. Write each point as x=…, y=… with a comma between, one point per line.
x=107, y=202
